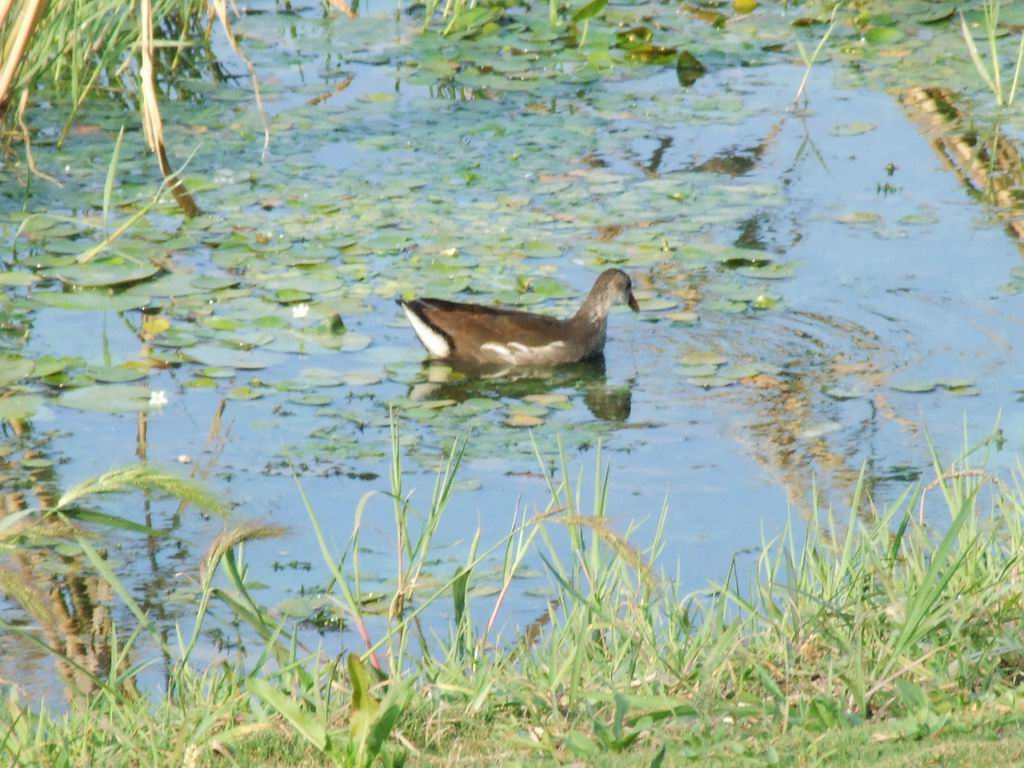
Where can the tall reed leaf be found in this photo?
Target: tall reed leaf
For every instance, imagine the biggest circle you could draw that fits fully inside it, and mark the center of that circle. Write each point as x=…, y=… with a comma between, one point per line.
x=108, y=185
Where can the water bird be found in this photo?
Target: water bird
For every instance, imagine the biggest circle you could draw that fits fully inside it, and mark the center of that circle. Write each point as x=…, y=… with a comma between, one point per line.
x=474, y=333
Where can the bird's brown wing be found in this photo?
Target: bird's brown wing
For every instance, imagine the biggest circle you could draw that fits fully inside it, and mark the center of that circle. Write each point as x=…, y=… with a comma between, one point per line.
x=470, y=326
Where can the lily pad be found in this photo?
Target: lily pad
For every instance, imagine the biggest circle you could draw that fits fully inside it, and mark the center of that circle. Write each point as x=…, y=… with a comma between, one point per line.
x=935, y=12
x=244, y=393
x=36, y=463
x=915, y=387
x=840, y=393
x=47, y=365
x=919, y=219
x=115, y=374
x=858, y=217
x=322, y=377
x=112, y=271
x=354, y=342
x=548, y=399
x=310, y=399
x=768, y=272
x=687, y=317
x=18, y=279
x=91, y=301
x=853, y=129
x=291, y=296
x=657, y=305
x=107, y=398
x=360, y=378
x=739, y=371
x=765, y=301
x=703, y=358
x=435, y=404
x=19, y=406
x=956, y=383
x=215, y=356
x=14, y=369
x=523, y=420
x=883, y=35
x=698, y=371
x=218, y=372
x=967, y=391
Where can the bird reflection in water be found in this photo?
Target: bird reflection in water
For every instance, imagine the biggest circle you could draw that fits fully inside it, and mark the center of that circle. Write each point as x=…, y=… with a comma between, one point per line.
x=461, y=382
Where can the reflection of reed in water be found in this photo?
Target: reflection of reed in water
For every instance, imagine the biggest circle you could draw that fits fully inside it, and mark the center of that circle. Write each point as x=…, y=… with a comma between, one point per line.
x=990, y=168
x=796, y=432
x=69, y=607
x=789, y=427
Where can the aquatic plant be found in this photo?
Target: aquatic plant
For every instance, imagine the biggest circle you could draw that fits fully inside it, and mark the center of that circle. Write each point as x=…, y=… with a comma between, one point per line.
x=991, y=73
x=80, y=49
x=896, y=617
x=810, y=59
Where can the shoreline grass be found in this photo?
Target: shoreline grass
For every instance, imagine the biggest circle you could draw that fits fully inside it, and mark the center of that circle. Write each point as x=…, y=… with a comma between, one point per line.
x=886, y=635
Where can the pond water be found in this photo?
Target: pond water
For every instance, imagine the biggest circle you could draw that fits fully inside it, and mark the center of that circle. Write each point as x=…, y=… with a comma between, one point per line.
x=817, y=288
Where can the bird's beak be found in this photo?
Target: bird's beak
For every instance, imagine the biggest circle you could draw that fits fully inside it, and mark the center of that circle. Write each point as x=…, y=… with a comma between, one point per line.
x=632, y=302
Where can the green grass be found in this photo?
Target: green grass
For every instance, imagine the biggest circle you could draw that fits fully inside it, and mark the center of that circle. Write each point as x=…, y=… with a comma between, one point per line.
x=967, y=741
x=991, y=72
x=889, y=640
x=79, y=49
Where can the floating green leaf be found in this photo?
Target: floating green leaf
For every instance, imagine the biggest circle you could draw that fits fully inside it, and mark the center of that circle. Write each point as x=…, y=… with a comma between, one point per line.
x=915, y=386
x=245, y=393
x=14, y=369
x=91, y=301
x=18, y=279
x=840, y=393
x=853, y=129
x=354, y=342
x=703, y=358
x=291, y=296
x=360, y=378
x=19, y=406
x=112, y=270
x=858, y=217
x=107, y=398
x=311, y=399
x=113, y=374
x=225, y=357
x=523, y=420
x=883, y=35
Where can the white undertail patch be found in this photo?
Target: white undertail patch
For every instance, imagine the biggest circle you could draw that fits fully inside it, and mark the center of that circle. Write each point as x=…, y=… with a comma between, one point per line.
x=435, y=343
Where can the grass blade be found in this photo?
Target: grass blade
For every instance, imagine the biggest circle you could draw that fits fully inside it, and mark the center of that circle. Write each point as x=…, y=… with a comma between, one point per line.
x=108, y=185
x=305, y=722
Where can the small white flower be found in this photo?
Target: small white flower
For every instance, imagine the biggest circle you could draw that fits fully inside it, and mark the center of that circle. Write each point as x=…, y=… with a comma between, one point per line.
x=157, y=398
x=299, y=311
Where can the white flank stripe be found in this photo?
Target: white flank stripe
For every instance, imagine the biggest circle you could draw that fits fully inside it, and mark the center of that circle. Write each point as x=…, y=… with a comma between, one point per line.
x=520, y=354
x=539, y=350
x=498, y=349
x=431, y=339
